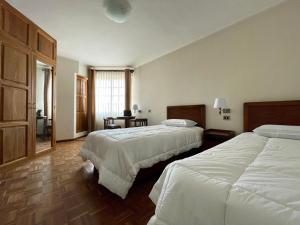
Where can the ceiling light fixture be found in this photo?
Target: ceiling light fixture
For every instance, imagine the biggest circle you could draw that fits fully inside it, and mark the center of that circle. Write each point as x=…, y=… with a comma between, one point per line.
x=117, y=10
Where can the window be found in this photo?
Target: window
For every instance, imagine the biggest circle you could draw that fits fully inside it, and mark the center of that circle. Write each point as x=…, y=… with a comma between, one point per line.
x=109, y=95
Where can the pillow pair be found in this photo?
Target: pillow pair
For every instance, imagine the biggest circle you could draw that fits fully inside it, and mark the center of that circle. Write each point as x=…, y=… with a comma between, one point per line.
x=279, y=131
x=179, y=123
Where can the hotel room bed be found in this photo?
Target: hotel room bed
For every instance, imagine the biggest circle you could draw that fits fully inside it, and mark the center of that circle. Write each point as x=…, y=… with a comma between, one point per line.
x=119, y=154
x=248, y=180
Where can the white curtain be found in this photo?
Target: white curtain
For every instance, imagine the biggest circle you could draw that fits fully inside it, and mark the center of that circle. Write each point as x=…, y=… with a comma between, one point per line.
x=109, y=95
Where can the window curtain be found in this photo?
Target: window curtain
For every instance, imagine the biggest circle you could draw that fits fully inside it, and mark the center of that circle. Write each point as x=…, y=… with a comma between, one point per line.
x=48, y=94
x=109, y=95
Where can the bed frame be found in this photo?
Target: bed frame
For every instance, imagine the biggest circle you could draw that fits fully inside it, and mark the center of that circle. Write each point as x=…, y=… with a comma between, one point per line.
x=279, y=112
x=196, y=113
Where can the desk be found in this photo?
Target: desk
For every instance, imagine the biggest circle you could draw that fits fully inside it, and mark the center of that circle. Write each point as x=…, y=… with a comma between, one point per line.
x=126, y=119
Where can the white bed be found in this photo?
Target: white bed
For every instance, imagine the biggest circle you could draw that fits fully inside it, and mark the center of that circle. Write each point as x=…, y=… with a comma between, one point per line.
x=120, y=154
x=248, y=180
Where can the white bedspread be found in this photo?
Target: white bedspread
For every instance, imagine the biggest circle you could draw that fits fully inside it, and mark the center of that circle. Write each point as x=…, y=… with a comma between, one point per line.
x=119, y=154
x=247, y=180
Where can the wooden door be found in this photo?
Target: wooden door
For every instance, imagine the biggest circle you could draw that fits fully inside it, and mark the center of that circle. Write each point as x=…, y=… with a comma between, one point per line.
x=15, y=86
x=81, y=104
x=21, y=42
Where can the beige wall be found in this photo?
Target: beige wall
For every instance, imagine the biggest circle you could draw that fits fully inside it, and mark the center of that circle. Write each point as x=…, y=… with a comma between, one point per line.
x=255, y=60
x=66, y=97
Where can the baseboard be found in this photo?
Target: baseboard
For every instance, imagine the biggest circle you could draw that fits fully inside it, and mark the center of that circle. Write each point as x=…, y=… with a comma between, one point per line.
x=73, y=139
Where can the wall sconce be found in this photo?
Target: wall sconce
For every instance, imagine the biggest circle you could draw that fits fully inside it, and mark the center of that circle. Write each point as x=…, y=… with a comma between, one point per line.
x=220, y=103
x=135, y=108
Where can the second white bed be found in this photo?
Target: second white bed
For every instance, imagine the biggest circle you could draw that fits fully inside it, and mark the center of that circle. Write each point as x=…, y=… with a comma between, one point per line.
x=248, y=180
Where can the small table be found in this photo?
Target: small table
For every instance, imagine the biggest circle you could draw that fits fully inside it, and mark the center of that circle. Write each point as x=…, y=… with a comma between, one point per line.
x=213, y=137
x=140, y=122
x=126, y=119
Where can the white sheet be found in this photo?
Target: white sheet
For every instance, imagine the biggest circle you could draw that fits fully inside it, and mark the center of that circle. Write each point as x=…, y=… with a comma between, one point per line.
x=247, y=180
x=119, y=154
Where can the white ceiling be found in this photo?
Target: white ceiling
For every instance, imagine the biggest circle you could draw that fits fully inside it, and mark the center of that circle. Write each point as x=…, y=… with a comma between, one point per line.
x=154, y=28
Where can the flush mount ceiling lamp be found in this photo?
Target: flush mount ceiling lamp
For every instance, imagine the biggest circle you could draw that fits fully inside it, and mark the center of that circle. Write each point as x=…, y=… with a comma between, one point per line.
x=117, y=10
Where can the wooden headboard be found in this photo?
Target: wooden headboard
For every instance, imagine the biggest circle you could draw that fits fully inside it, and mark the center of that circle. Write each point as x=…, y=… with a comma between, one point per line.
x=281, y=113
x=190, y=112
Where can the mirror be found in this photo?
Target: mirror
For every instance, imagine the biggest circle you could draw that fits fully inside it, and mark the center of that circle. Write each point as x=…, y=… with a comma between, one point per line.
x=43, y=106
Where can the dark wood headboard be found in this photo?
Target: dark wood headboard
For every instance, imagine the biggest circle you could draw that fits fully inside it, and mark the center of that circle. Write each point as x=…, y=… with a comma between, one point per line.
x=281, y=113
x=189, y=112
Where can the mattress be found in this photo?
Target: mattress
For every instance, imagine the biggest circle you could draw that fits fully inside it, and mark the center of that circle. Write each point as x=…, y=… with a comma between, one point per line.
x=119, y=154
x=248, y=180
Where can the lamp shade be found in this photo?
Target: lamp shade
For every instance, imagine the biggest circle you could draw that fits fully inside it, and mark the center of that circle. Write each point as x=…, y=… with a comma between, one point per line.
x=135, y=107
x=117, y=10
x=220, y=103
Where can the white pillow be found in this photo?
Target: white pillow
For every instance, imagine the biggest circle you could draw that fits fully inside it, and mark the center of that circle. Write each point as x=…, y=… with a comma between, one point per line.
x=279, y=131
x=179, y=123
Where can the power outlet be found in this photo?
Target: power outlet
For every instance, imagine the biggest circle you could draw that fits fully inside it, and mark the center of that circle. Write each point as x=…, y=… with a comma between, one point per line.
x=226, y=117
x=226, y=110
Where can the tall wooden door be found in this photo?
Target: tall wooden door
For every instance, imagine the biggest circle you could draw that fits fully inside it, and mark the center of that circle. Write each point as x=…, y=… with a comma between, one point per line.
x=21, y=42
x=15, y=86
x=81, y=104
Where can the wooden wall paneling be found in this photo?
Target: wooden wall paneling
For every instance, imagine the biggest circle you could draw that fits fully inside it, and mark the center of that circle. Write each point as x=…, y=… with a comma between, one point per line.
x=19, y=49
x=1, y=146
x=14, y=143
x=14, y=104
x=15, y=65
x=1, y=74
x=14, y=94
x=33, y=106
x=45, y=46
x=1, y=16
x=15, y=25
x=30, y=120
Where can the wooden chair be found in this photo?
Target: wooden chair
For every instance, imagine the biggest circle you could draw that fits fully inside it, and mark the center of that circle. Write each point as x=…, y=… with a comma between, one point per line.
x=48, y=128
x=109, y=123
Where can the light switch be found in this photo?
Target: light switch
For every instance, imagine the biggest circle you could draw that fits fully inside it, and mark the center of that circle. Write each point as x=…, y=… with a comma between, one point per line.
x=226, y=117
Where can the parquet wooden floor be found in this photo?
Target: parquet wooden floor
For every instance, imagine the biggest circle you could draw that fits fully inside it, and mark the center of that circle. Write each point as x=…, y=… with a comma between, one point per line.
x=60, y=189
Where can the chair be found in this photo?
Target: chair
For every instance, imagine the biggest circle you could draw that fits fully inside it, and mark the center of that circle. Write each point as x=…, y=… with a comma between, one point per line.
x=47, y=128
x=109, y=123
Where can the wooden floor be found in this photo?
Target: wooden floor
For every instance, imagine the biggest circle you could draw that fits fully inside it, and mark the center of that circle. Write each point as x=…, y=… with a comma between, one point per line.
x=60, y=189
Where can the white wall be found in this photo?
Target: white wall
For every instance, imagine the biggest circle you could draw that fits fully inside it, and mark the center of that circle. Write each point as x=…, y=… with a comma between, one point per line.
x=66, y=97
x=254, y=60
x=83, y=69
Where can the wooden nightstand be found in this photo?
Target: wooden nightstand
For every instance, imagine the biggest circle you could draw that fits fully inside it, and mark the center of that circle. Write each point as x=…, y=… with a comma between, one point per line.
x=213, y=137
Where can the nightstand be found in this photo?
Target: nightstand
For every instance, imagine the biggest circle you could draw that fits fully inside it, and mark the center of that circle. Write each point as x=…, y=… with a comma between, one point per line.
x=213, y=137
